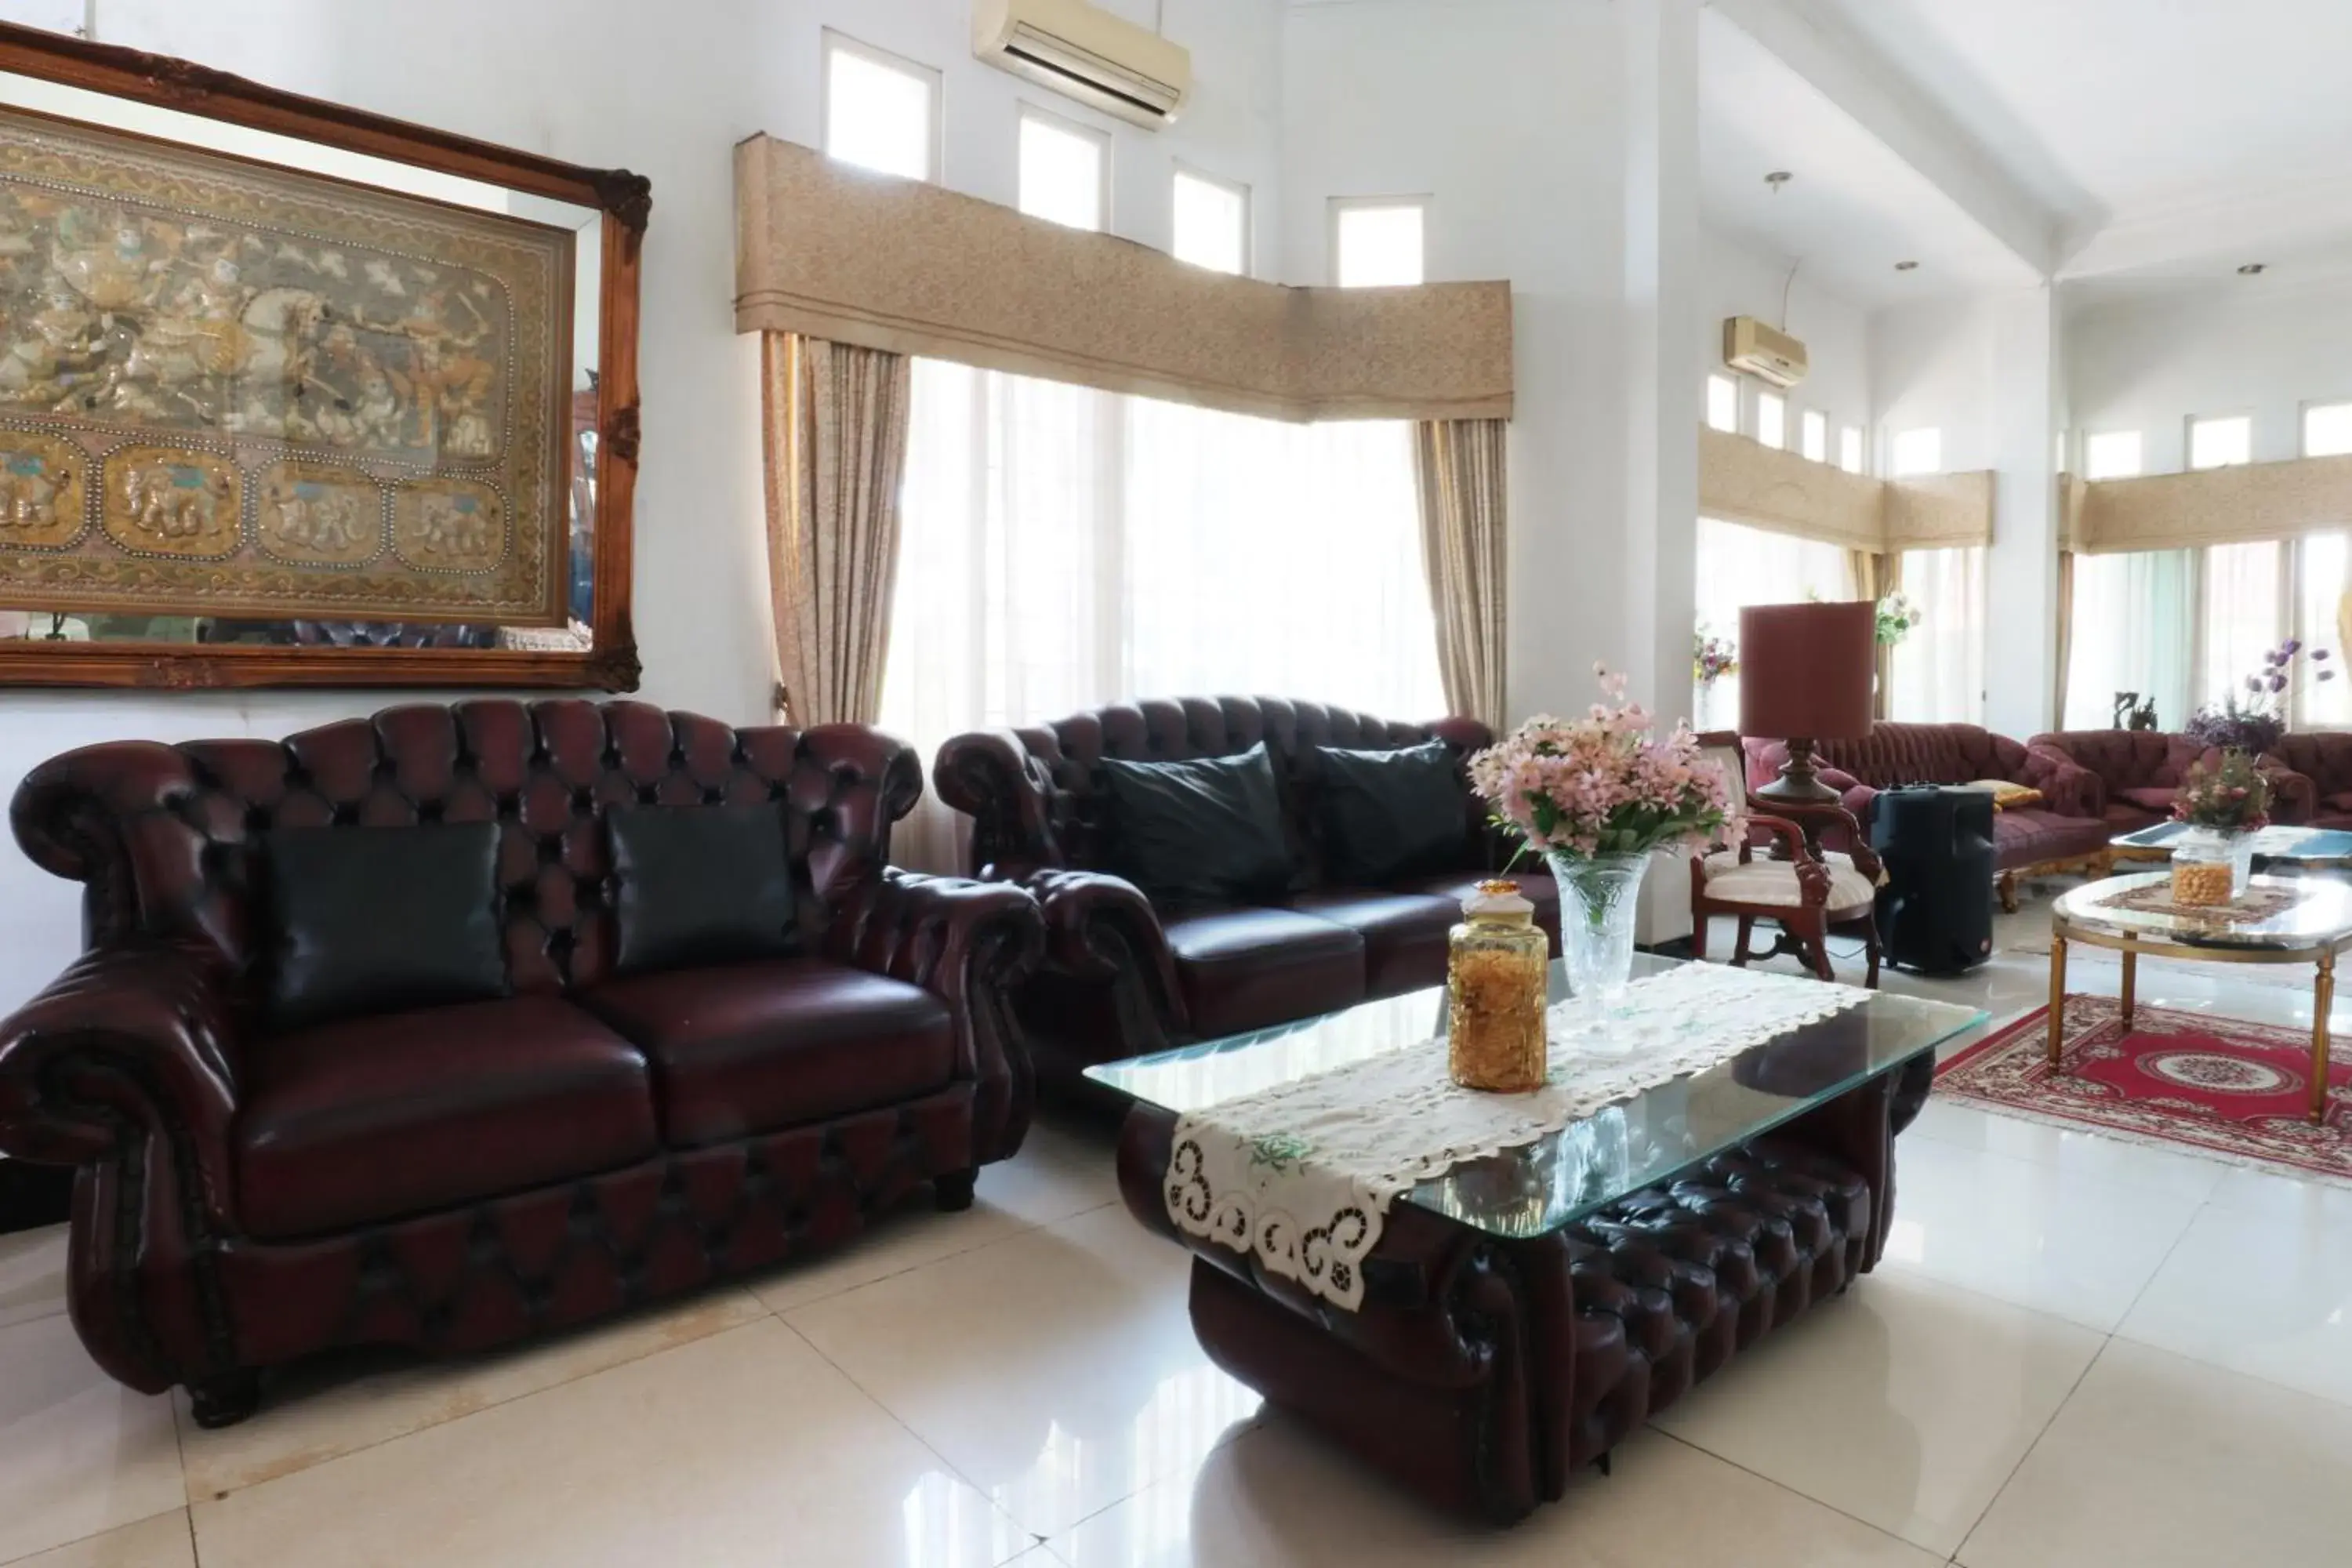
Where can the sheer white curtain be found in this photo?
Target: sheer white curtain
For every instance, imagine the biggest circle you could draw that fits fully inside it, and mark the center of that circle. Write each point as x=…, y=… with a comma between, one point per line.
x=2245, y=614
x=1939, y=673
x=1738, y=566
x=1063, y=547
x=2133, y=619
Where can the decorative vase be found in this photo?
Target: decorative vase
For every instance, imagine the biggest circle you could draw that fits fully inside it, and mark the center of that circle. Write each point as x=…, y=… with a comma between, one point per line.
x=1495, y=983
x=1598, y=895
x=2211, y=865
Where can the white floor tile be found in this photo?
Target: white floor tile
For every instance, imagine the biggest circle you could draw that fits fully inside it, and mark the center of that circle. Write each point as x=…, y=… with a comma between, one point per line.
x=2267, y=1294
x=161, y=1541
x=742, y=1448
x=1905, y=1404
x=317, y=1411
x=1057, y=1370
x=1277, y=1495
x=32, y=1274
x=2282, y=1195
x=2046, y=1237
x=79, y=1454
x=1060, y=1172
x=2161, y=1462
x=2069, y=1150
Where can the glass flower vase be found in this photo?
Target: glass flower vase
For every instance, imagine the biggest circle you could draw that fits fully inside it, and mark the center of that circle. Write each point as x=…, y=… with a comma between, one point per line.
x=1598, y=895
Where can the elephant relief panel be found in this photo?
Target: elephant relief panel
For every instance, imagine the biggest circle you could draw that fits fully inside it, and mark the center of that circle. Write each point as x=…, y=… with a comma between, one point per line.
x=229, y=389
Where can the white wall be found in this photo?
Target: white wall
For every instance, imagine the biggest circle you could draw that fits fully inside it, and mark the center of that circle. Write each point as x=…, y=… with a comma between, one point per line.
x=1933, y=364
x=2262, y=347
x=665, y=90
x=1507, y=114
x=1740, y=277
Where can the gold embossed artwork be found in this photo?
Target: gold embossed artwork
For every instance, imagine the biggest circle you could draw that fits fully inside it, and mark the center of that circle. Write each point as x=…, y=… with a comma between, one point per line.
x=228, y=389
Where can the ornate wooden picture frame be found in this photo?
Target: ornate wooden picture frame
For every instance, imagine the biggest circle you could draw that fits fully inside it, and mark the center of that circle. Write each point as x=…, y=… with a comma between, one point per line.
x=271, y=425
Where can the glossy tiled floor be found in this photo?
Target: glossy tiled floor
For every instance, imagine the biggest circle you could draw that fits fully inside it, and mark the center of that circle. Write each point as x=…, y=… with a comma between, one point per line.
x=2079, y=1352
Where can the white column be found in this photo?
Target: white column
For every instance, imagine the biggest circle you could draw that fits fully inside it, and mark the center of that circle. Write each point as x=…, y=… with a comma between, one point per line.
x=1661, y=395
x=2021, y=568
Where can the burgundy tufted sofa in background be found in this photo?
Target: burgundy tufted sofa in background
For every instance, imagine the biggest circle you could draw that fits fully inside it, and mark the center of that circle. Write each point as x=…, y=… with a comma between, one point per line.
x=1121, y=977
x=2139, y=771
x=464, y=1176
x=2066, y=827
x=2321, y=764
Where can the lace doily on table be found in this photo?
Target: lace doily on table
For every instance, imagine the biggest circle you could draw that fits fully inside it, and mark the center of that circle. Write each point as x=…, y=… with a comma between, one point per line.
x=1302, y=1174
x=2253, y=907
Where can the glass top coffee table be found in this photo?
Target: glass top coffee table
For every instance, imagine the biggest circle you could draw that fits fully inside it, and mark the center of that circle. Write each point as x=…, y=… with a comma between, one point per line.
x=1590, y=1164
x=2294, y=921
x=2327, y=849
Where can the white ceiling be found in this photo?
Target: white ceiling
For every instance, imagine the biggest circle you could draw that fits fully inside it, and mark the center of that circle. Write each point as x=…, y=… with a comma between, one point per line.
x=1853, y=209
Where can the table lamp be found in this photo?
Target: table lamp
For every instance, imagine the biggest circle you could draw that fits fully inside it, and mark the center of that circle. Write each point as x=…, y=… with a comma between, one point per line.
x=1805, y=674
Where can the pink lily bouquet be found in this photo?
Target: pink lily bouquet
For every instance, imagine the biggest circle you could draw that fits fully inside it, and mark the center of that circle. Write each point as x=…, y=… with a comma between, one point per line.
x=1600, y=786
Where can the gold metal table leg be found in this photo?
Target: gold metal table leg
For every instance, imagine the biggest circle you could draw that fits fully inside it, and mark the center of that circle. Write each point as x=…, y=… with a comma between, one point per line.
x=2131, y=983
x=2323, y=1000
x=2057, y=997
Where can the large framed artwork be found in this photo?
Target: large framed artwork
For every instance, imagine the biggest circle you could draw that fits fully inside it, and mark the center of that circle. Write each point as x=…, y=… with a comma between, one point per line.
x=292, y=393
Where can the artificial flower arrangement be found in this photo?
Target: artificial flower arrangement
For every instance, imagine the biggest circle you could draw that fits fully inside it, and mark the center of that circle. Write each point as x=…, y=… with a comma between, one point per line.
x=1896, y=615
x=1712, y=659
x=2231, y=796
x=2254, y=721
x=1602, y=785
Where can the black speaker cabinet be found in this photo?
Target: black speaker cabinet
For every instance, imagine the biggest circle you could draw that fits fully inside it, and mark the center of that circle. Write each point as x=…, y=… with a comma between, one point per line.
x=1935, y=913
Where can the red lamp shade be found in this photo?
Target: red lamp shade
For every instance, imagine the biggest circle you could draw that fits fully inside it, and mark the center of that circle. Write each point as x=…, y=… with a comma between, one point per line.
x=1805, y=670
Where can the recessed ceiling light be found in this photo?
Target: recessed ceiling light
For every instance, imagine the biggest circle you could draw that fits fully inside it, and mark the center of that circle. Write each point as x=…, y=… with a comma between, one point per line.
x=2253, y=268
x=1907, y=266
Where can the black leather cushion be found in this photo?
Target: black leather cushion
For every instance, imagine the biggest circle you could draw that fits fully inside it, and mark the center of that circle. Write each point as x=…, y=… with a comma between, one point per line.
x=701, y=885
x=372, y=920
x=1385, y=814
x=1207, y=831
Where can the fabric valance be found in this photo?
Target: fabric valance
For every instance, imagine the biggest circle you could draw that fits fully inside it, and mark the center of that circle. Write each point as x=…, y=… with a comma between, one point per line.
x=1744, y=481
x=2210, y=506
x=836, y=252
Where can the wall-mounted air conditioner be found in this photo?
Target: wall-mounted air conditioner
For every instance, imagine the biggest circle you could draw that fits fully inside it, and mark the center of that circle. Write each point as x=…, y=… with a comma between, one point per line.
x=1085, y=52
x=1767, y=352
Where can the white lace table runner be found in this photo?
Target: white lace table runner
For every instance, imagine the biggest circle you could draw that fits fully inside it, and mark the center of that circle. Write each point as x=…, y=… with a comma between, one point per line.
x=1303, y=1173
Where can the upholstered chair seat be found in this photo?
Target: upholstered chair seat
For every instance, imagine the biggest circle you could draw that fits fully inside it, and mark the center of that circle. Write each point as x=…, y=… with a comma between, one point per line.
x=1774, y=882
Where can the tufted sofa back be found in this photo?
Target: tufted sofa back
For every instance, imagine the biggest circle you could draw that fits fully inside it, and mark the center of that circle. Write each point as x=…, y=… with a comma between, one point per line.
x=1036, y=794
x=2323, y=756
x=166, y=838
x=2128, y=759
x=1895, y=754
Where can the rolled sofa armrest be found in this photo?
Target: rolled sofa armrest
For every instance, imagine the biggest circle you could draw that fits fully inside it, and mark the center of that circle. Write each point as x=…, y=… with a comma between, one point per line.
x=969, y=943
x=1101, y=926
x=2068, y=787
x=133, y=1039
x=2295, y=798
x=986, y=774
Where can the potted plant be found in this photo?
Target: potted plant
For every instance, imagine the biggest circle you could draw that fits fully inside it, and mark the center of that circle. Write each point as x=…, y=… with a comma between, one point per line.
x=1594, y=796
x=1896, y=615
x=2225, y=805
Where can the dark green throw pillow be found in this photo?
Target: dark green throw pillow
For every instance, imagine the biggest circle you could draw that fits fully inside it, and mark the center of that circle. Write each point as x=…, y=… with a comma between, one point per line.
x=699, y=884
x=1199, y=832
x=1387, y=814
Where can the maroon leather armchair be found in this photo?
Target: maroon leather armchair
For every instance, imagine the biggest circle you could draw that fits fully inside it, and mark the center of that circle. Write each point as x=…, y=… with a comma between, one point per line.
x=459, y=1176
x=2067, y=828
x=2139, y=772
x=1122, y=977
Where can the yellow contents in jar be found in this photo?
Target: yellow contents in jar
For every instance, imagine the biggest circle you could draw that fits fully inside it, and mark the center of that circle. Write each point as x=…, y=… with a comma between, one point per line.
x=2204, y=883
x=1495, y=985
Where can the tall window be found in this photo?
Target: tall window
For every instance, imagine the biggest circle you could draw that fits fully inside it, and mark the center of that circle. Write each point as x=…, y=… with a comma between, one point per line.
x=1211, y=223
x=1063, y=547
x=2221, y=443
x=880, y=111
x=1378, y=242
x=1065, y=170
x=1723, y=404
x=1850, y=448
x=1938, y=669
x=1814, y=435
x=2133, y=629
x=1917, y=451
x=2111, y=455
x=1739, y=566
x=2327, y=432
x=1772, y=419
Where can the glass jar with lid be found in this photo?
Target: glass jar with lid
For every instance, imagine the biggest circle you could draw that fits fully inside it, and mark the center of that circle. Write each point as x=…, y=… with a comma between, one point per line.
x=1495, y=971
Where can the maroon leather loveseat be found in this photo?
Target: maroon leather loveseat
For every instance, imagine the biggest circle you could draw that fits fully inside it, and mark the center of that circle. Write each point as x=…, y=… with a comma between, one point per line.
x=2140, y=771
x=463, y=1175
x=1121, y=977
x=2065, y=828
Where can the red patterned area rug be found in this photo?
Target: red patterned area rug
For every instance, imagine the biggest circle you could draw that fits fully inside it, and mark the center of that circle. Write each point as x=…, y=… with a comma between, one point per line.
x=2188, y=1081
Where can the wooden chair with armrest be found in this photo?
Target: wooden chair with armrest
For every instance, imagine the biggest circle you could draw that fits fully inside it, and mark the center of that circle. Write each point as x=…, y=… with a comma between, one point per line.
x=1805, y=894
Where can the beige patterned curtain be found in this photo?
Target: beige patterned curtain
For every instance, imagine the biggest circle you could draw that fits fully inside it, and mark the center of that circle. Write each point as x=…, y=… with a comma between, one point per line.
x=2065, y=635
x=1459, y=464
x=1875, y=577
x=835, y=429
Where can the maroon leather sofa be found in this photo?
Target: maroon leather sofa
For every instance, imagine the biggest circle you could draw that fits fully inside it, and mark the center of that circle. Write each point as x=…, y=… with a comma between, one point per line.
x=2139, y=771
x=1122, y=978
x=2066, y=829
x=464, y=1176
